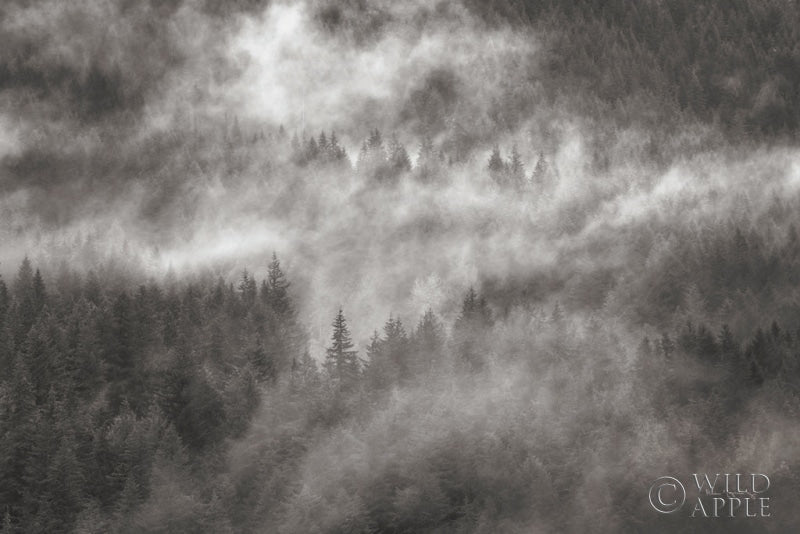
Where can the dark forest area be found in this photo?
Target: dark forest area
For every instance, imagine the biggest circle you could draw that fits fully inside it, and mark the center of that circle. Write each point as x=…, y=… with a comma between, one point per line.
x=123, y=406
x=362, y=266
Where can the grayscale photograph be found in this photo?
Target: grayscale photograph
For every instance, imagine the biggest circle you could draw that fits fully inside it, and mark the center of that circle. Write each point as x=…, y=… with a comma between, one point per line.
x=421, y=266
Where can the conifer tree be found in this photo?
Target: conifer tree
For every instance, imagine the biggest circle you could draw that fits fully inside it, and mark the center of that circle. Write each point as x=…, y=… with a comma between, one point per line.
x=26, y=301
x=277, y=289
x=428, y=341
x=5, y=300
x=427, y=160
x=539, y=174
x=515, y=168
x=496, y=165
x=341, y=361
x=24, y=282
x=248, y=289
x=398, y=157
x=395, y=347
x=470, y=331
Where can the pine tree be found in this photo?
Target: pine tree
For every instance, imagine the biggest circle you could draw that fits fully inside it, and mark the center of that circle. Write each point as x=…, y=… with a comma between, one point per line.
x=23, y=285
x=376, y=368
x=18, y=416
x=427, y=162
x=341, y=361
x=263, y=361
x=470, y=331
x=337, y=153
x=398, y=157
x=312, y=150
x=43, y=354
x=5, y=300
x=81, y=363
x=496, y=165
x=277, y=289
x=395, y=347
x=375, y=140
x=6, y=330
x=539, y=175
x=248, y=289
x=124, y=368
x=372, y=160
x=428, y=341
x=64, y=486
x=26, y=309
x=515, y=168
x=305, y=375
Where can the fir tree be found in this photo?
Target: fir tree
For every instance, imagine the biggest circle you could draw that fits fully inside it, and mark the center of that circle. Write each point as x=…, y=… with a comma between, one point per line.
x=539, y=174
x=341, y=361
x=515, y=168
x=496, y=165
x=428, y=341
x=470, y=331
x=248, y=289
x=277, y=295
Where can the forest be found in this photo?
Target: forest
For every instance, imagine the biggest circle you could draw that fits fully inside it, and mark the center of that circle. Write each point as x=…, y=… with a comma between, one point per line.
x=361, y=266
x=191, y=405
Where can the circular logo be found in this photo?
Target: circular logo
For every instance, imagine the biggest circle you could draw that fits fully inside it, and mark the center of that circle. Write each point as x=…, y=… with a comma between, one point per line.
x=667, y=495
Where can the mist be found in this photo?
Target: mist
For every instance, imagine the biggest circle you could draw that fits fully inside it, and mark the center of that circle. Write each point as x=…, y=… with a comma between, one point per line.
x=181, y=151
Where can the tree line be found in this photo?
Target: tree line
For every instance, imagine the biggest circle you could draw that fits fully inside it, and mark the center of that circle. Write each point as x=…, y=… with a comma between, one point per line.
x=111, y=396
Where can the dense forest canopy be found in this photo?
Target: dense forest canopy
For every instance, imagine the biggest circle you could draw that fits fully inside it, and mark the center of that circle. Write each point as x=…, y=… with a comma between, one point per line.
x=366, y=266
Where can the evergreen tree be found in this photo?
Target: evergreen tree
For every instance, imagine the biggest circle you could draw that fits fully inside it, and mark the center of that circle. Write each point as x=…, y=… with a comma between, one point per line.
x=398, y=157
x=336, y=153
x=427, y=161
x=395, y=347
x=341, y=361
x=248, y=289
x=539, y=174
x=26, y=301
x=81, y=362
x=471, y=330
x=5, y=300
x=322, y=143
x=43, y=352
x=376, y=367
x=515, y=168
x=312, y=150
x=64, y=484
x=277, y=295
x=496, y=165
x=23, y=285
x=428, y=341
x=305, y=375
x=372, y=160
x=124, y=367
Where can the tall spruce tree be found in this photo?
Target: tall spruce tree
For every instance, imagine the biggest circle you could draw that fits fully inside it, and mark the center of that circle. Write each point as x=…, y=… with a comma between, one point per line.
x=515, y=168
x=496, y=165
x=470, y=332
x=341, y=361
x=277, y=295
x=428, y=342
